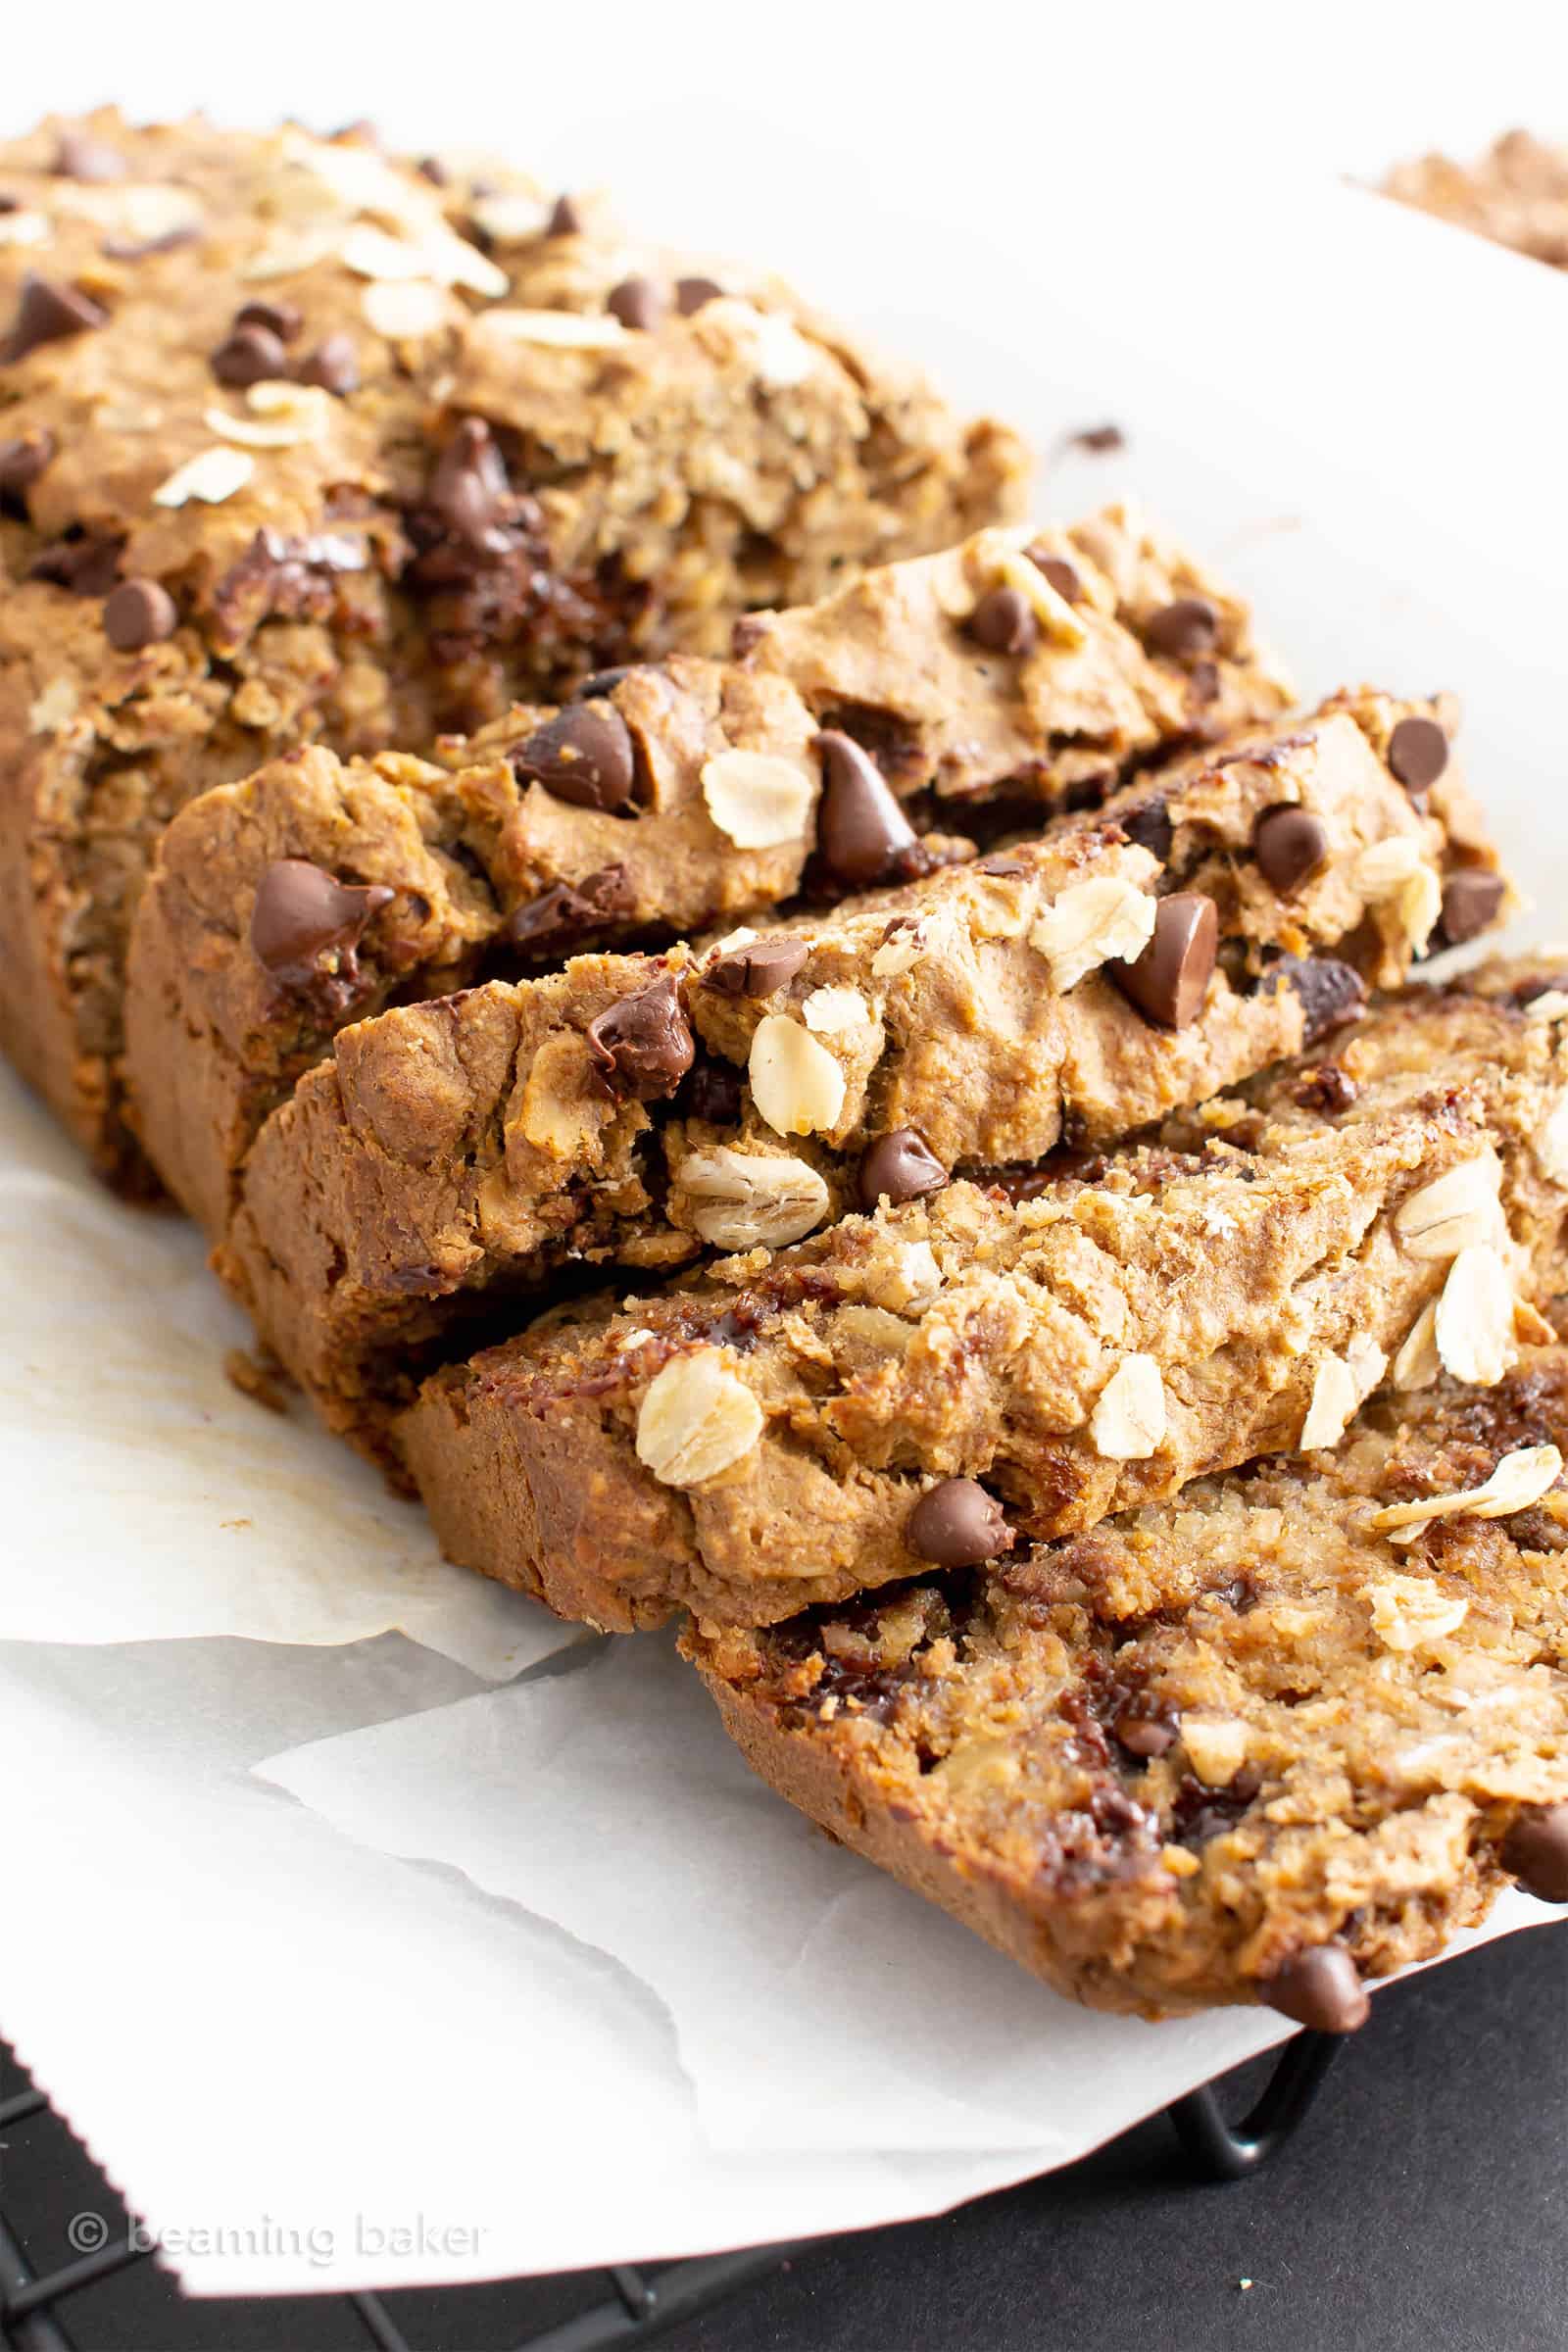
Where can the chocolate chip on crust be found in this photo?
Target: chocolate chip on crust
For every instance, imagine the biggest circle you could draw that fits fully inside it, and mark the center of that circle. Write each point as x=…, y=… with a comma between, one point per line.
x=1418, y=754
x=302, y=912
x=1168, y=981
x=958, y=1525
x=1470, y=905
x=333, y=365
x=638, y=303
x=1004, y=622
x=1183, y=630
x=1321, y=1988
x=48, y=313
x=583, y=756
x=139, y=613
x=759, y=968
x=23, y=461
x=644, y=1042
x=1063, y=577
x=899, y=1167
x=1535, y=1852
x=1290, y=843
x=860, y=826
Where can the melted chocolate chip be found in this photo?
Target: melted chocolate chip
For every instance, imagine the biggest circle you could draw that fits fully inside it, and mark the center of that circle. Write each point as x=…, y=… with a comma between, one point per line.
x=1184, y=630
x=1535, y=1852
x=644, y=1042
x=468, y=494
x=1288, y=844
x=583, y=756
x=860, y=826
x=1471, y=904
x=637, y=303
x=1418, y=754
x=899, y=1167
x=77, y=157
x=1329, y=1089
x=1149, y=824
x=693, y=294
x=303, y=913
x=139, y=613
x=1004, y=622
x=333, y=365
x=758, y=969
x=1321, y=1988
x=713, y=1091
x=564, y=221
x=1331, y=992
x=1144, y=1730
x=249, y=354
x=561, y=918
x=957, y=1524
x=601, y=682
x=1169, y=980
x=48, y=313
x=87, y=567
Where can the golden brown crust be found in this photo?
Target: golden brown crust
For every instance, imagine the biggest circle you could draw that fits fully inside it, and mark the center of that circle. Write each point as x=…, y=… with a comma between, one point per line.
x=327, y=579
x=1325, y=1737
x=1161, y=1314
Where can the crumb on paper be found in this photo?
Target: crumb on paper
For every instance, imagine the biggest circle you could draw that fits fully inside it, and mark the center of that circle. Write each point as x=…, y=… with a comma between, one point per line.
x=259, y=1376
x=1095, y=440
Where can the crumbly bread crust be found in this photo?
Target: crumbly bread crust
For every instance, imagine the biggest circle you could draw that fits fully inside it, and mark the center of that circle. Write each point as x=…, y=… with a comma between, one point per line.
x=433, y=470
x=455, y=1150
x=754, y=1440
x=1321, y=1737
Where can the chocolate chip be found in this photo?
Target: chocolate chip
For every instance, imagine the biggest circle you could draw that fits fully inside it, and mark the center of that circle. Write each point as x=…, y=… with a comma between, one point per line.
x=1288, y=844
x=1418, y=754
x=714, y=1092
x=637, y=303
x=334, y=366
x=1470, y=905
x=250, y=355
x=693, y=294
x=644, y=1042
x=899, y=1167
x=1148, y=824
x=23, y=461
x=48, y=313
x=758, y=969
x=468, y=492
x=958, y=1525
x=1535, y=1852
x=1063, y=577
x=601, y=682
x=1331, y=992
x=1328, y=1089
x=303, y=912
x=1170, y=978
x=565, y=220
x=559, y=918
x=1321, y=1988
x=1004, y=622
x=139, y=613
x=583, y=756
x=432, y=168
x=1180, y=631
x=78, y=157
x=87, y=566
x=1001, y=863
x=281, y=318
x=860, y=826
x=1098, y=440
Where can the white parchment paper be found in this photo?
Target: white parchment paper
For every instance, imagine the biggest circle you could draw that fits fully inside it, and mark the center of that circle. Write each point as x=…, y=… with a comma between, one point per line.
x=538, y=1963
x=146, y=1497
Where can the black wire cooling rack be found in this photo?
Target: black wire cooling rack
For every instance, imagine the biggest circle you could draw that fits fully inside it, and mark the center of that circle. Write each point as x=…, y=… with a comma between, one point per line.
x=622, y=2306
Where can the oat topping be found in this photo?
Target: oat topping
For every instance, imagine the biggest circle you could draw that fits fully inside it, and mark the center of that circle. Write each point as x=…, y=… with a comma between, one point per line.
x=696, y=1421
x=797, y=1084
x=1128, y=1423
